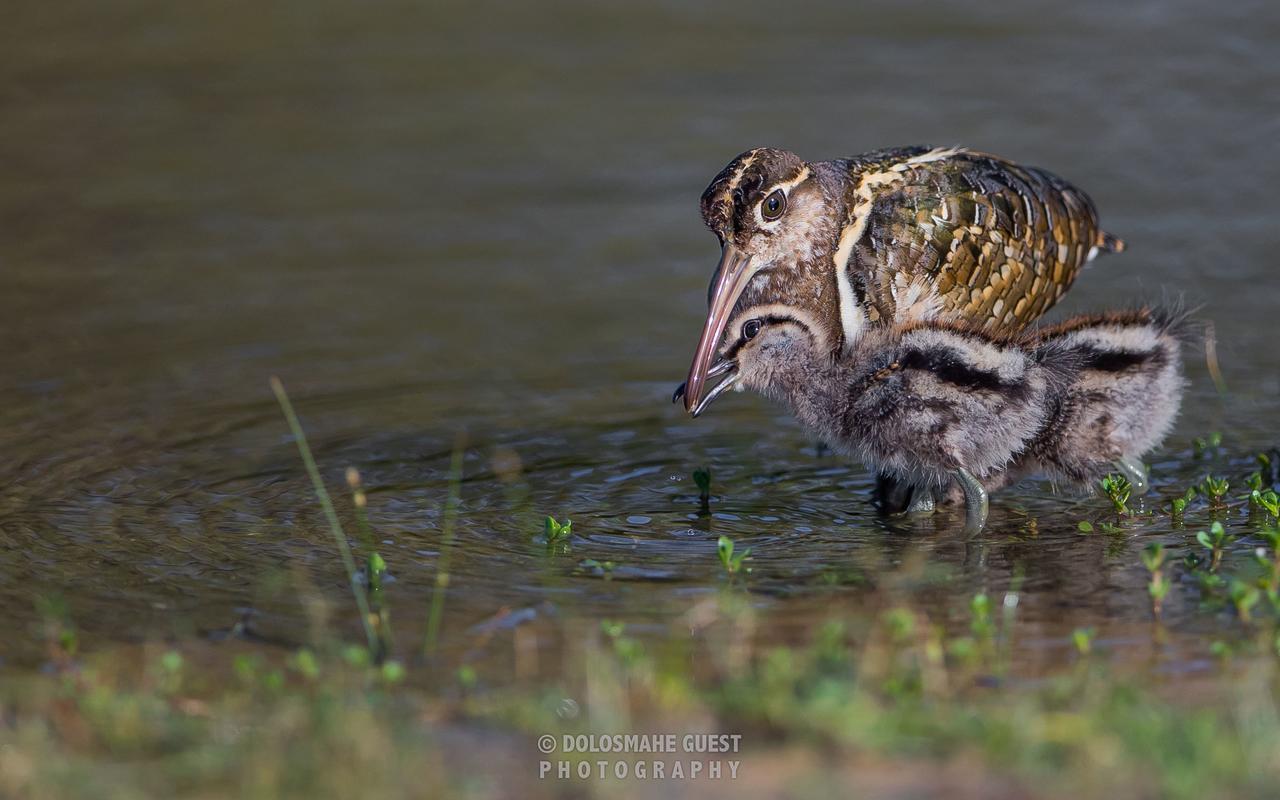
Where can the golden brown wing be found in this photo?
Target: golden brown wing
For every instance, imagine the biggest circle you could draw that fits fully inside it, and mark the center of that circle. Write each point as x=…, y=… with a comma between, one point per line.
x=976, y=237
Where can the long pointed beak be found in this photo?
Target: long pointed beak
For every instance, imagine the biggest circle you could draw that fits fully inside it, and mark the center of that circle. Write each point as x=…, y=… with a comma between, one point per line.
x=731, y=278
x=730, y=380
x=721, y=367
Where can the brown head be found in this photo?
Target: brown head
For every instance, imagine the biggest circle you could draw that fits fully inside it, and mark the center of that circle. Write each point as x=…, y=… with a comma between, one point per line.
x=777, y=218
x=777, y=350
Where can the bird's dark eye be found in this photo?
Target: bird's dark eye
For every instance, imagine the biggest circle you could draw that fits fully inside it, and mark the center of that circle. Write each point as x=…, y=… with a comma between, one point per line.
x=774, y=205
x=750, y=328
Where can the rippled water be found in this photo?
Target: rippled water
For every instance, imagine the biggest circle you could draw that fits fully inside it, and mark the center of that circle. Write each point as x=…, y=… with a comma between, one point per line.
x=465, y=219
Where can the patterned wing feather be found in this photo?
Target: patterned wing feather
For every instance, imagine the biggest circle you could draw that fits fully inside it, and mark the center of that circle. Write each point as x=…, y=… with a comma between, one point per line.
x=968, y=236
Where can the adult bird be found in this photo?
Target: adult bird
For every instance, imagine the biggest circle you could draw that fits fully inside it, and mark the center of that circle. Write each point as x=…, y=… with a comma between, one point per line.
x=909, y=233
x=889, y=237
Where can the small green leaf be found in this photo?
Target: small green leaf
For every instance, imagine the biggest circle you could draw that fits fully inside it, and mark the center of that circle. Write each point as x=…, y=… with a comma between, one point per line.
x=1118, y=489
x=556, y=532
x=1085, y=526
x=732, y=563
x=702, y=478
x=724, y=547
x=467, y=676
x=356, y=655
x=392, y=671
x=612, y=629
x=1083, y=640
x=1153, y=556
x=304, y=661
x=1270, y=501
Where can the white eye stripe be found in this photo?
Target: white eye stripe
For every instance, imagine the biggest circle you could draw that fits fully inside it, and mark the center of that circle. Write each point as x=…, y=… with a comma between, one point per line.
x=777, y=311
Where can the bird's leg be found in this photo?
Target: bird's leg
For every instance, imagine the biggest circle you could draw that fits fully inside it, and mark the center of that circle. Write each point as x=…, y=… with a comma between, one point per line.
x=891, y=493
x=1134, y=471
x=975, y=499
x=921, y=500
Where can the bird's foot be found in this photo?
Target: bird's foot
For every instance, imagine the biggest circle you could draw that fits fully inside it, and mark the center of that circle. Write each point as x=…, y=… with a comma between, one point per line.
x=975, y=500
x=1136, y=473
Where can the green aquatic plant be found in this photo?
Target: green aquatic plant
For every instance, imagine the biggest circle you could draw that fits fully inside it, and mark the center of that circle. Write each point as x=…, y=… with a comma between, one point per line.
x=1268, y=501
x=557, y=533
x=602, y=568
x=1118, y=490
x=1253, y=482
x=453, y=500
x=901, y=624
x=1082, y=638
x=326, y=505
x=375, y=565
x=391, y=672
x=1178, y=506
x=1268, y=560
x=884, y=687
x=467, y=676
x=1153, y=559
x=702, y=478
x=1210, y=583
x=1244, y=597
x=731, y=561
x=629, y=651
x=1202, y=445
x=356, y=656
x=1214, y=540
x=1215, y=490
x=981, y=623
x=305, y=663
x=169, y=669
x=1269, y=465
x=58, y=632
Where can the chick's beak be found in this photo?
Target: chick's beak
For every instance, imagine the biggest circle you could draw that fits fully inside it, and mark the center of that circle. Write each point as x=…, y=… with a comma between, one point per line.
x=733, y=273
x=723, y=366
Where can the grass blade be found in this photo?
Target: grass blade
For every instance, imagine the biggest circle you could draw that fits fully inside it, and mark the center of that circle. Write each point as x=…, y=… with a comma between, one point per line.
x=446, y=547
x=326, y=504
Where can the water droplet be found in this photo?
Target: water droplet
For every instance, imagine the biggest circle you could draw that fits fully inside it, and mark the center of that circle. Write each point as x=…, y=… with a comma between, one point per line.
x=568, y=709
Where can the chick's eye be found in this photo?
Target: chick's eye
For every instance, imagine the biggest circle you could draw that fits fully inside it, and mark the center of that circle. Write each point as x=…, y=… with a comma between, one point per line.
x=750, y=328
x=774, y=205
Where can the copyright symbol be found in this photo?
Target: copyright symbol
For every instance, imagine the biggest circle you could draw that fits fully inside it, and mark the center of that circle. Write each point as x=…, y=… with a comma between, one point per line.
x=547, y=743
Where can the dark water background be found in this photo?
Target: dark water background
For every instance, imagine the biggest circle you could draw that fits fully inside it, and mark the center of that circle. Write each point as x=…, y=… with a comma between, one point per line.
x=482, y=218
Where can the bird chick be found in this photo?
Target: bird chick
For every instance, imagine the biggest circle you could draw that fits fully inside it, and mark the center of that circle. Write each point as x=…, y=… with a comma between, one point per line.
x=1122, y=400
x=926, y=403
x=930, y=403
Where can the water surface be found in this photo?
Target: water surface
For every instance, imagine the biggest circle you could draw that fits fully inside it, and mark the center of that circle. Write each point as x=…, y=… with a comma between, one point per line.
x=466, y=219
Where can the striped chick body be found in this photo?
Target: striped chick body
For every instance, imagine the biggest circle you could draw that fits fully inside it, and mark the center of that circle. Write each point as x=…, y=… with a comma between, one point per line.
x=930, y=402
x=1124, y=395
x=926, y=401
x=919, y=401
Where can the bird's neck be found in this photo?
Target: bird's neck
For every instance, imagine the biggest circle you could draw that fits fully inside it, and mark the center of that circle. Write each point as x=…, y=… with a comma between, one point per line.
x=820, y=385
